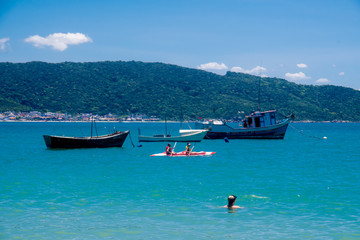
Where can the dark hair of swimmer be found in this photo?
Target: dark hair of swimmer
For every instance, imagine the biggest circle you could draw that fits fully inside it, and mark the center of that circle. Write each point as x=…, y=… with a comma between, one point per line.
x=231, y=200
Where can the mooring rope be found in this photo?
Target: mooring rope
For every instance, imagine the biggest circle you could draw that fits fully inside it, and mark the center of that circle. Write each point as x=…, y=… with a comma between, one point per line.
x=302, y=132
x=131, y=140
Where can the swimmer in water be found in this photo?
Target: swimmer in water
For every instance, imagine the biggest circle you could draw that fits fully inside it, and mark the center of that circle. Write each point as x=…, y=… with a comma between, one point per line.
x=231, y=202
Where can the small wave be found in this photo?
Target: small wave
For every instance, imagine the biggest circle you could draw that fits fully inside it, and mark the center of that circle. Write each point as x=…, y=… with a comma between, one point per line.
x=254, y=196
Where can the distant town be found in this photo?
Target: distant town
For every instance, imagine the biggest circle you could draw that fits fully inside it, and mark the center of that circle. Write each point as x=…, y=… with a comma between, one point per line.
x=37, y=116
x=64, y=117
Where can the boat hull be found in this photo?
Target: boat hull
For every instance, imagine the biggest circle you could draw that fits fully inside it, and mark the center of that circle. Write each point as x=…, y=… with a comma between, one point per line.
x=112, y=140
x=183, y=154
x=189, y=137
x=271, y=132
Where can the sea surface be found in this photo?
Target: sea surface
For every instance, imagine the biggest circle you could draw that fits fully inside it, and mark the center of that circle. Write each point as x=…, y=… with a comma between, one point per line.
x=306, y=186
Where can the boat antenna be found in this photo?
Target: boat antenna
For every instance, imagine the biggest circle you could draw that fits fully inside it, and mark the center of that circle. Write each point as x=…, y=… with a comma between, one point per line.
x=182, y=117
x=259, y=95
x=91, y=117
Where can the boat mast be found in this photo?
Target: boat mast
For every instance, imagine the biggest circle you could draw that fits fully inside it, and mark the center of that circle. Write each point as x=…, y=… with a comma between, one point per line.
x=95, y=127
x=182, y=117
x=259, y=95
x=91, y=125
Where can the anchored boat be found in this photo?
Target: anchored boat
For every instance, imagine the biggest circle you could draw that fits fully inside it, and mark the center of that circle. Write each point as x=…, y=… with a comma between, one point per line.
x=111, y=140
x=115, y=139
x=258, y=125
x=193, y=136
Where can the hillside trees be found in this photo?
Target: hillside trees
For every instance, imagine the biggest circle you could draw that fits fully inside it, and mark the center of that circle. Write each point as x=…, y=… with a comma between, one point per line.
x=165, y=91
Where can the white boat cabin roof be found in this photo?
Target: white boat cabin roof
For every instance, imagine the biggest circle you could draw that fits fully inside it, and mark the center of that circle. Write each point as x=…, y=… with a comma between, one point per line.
x=260, y=119
x=261, y=113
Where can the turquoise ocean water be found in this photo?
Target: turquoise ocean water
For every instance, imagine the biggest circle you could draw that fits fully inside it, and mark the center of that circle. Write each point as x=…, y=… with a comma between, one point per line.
x=302, y=187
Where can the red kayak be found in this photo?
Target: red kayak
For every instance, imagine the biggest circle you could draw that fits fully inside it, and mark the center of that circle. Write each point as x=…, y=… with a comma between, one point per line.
x=183, y=154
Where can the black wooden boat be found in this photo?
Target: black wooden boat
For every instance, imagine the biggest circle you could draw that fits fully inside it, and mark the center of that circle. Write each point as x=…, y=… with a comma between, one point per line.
x=115, y=139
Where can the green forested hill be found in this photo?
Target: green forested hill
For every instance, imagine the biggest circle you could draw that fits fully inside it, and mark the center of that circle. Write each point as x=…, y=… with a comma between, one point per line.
x=163, y=90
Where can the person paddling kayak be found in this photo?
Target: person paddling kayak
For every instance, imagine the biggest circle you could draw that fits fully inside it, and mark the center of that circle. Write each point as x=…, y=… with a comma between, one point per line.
x=188, y=148
x=169, y=150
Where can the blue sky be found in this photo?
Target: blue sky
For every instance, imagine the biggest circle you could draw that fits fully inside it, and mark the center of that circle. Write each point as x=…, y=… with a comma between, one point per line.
x=303, y=41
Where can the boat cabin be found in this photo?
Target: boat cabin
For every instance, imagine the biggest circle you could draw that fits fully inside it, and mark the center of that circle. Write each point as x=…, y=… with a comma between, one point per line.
x=260, y=119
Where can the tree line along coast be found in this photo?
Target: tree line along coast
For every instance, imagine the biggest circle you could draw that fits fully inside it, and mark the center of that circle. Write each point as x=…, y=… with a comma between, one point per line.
x=166, y=91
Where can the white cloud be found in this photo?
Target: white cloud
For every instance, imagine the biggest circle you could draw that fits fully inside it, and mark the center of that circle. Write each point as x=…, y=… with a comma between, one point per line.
x=3, y=42
x=296, y=76
x=58, y=41
x=256, y=70
x=322, y=80
x=341, y=73
x=301, y=65
x=213, y=66
x=237, y=69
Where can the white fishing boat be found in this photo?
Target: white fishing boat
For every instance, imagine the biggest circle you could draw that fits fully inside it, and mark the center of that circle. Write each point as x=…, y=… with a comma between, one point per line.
x=193, y=136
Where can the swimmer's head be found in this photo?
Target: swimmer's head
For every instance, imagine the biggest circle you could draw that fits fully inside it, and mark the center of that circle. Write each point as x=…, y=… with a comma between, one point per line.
x=232, y=197
x=231, y=200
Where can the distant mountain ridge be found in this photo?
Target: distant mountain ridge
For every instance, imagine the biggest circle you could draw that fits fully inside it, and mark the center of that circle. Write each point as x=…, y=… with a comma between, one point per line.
x=164, y=90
